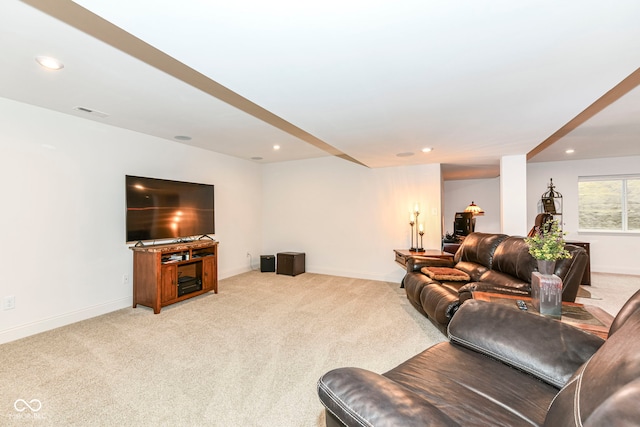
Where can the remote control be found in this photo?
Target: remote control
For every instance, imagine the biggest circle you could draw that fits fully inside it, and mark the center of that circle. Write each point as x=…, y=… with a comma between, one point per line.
x=521, y=305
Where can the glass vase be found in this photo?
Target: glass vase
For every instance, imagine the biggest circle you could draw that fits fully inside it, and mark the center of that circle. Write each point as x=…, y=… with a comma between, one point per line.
x=546, y=267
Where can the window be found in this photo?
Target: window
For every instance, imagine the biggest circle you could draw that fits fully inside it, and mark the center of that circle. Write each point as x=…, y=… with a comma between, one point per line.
x=609, y=203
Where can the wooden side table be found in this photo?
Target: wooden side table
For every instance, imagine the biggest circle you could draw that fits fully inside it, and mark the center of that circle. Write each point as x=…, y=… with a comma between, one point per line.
x=403, y=254
x=586, y=317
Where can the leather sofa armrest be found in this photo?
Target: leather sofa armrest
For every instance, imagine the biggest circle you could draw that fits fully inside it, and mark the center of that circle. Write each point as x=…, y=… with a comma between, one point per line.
x=415, y=263
x=550, y=350
x=357, y=397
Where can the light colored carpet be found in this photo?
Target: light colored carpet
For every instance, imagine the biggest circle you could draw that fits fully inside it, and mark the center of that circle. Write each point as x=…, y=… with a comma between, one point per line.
x=248, y=356
x=583, y=292
x=610, y=291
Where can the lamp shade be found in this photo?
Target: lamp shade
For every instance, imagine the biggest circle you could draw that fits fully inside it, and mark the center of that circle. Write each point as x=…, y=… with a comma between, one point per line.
x=474, y=209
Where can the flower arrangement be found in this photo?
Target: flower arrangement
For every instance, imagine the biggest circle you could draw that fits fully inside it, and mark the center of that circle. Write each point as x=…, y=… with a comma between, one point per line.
x=548, y=243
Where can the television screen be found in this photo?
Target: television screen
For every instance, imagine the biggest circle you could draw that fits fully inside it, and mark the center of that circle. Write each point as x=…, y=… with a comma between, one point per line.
x=163, y=209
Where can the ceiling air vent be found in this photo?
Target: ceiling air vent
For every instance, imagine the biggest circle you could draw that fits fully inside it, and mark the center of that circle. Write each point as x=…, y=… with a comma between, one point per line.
x=92, y=112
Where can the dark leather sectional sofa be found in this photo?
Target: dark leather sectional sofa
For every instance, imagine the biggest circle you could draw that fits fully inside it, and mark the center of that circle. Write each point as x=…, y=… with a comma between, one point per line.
x=493, y=263
x=501, y=367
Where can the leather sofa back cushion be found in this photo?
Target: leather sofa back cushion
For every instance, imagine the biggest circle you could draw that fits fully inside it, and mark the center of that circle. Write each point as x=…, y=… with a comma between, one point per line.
x=475, y=271
x=478, y=248
x=445, y=273
x=512, y=257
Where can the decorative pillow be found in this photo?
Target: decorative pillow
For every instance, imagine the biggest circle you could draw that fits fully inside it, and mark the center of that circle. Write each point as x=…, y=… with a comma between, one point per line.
x=445, y=273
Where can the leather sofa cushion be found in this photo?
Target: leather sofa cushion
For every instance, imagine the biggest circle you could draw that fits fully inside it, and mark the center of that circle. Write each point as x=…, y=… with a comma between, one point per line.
x=445, y=273
x=550, y=350
x=478, y=248
x=359, y=397
x=448, y=373
x=446, y=385
x=498, y=279
x=512, y=257
x=475, y=271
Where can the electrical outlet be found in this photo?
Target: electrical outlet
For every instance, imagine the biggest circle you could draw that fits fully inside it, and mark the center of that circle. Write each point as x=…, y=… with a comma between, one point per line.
x=9, y=302
x=125, y=279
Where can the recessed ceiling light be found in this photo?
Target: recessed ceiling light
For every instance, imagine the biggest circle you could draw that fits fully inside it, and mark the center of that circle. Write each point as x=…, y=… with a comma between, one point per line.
x=182, y=138
x=49, y=63
x=406, y=154
x=276, y=147
x=427, y=150
x=570, y=151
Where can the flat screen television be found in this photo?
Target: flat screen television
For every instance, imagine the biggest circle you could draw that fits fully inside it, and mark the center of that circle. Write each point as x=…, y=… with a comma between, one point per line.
x=160, y=209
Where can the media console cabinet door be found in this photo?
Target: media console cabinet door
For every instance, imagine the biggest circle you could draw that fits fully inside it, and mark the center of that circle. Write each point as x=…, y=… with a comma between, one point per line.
x=168, y=283
x=209, y=274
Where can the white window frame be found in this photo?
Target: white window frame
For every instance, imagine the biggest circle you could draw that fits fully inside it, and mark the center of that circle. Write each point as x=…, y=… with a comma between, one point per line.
x=625, y=219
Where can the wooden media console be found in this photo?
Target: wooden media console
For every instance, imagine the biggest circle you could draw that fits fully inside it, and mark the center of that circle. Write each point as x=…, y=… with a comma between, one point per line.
x=166, y=274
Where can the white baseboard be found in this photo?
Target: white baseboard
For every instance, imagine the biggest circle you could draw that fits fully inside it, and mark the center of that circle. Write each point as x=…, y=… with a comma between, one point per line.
x=631, y=271
x=394, y=277
x=42, y=325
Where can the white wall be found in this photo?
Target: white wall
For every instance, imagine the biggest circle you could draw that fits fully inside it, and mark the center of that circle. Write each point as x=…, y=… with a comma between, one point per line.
x=63, y=252
x=484, y=192
x=348, y=218
x=513, y=196
x=610, y=253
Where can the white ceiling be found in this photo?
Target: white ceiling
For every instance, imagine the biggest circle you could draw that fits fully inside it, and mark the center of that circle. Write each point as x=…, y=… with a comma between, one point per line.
x=364, y=80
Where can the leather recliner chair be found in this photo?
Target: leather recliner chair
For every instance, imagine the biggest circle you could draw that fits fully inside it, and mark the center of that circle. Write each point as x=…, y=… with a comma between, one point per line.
x=501, y=367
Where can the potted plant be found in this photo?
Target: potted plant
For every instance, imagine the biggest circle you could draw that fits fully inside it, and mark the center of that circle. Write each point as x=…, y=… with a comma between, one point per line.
x=547, y=246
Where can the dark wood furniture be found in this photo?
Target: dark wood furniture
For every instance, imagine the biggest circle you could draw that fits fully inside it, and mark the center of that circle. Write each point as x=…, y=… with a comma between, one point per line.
x=586, y=317
x=586, y=278
x=157, y=270
x=267, y=263
x=290, y=263
x=403, y=254
x=451, y=248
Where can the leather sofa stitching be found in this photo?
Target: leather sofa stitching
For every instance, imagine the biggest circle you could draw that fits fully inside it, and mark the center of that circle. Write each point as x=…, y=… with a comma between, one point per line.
x=576, y=395
x=565, y=386
x=341, y=404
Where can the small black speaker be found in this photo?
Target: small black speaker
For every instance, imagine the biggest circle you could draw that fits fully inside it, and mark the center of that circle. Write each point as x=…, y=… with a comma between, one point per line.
x=267, y=263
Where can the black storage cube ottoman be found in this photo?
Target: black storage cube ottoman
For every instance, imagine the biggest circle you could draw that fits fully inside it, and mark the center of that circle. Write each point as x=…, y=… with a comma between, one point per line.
x=290, y=263
x=267, y=263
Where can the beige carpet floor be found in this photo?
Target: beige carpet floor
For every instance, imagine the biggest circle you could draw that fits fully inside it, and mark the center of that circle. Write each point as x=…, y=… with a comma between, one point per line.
x=583, y=292
x=609, y=291
x=248, y=356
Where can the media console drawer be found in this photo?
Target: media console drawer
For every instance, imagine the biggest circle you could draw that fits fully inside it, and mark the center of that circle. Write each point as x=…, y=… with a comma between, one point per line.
x=290, y=263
